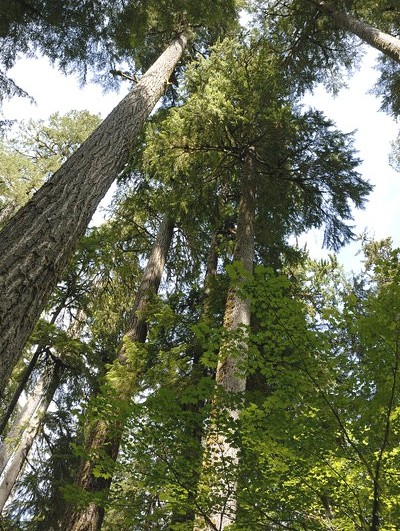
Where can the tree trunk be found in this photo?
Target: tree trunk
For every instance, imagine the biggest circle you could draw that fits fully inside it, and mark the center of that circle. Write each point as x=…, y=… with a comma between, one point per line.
x=40, y=349
x=104, y=435
x=19, y=390
x=22, y=421
x=385, y=43
x=38, y=242
x=22, y=434
x=232, y=357
x=196, y=432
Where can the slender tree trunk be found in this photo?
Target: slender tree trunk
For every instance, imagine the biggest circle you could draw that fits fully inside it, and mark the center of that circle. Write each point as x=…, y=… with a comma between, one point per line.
x=385, y=43
x=19, y=390
x=106, y=436
x=232, y=356
x=22, y=420
x=22, y=435
x=38, y=242
x=40, y=349
x=196, y=432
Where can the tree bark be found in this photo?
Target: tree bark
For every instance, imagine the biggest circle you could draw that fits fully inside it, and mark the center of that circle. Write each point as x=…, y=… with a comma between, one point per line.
x=22, y=421
x=22, y=435
x=232, y=355
x=40, y=349
x=385, y=43
x=38, y=242
x=107, y=436
x=19, y=390
x=196, y=433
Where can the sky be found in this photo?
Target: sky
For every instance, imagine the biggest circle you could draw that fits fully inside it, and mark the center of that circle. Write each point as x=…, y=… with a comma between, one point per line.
x=353, y=109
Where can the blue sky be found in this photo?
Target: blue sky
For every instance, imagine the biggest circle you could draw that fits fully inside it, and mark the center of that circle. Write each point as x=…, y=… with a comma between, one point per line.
x=352, y=110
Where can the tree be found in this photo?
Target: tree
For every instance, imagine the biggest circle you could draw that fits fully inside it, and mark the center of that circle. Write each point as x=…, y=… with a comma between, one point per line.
x=289, y=149
x=21, y=436
x=95, y=293
x=385, y=43
x=104, y=435
x=39, y=149
x=316, y=39
x=230, y=375
x=40, y=239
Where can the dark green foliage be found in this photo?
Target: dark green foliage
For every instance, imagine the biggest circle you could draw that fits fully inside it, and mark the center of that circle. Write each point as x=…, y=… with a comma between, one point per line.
x=306, y=170
x=99, y=36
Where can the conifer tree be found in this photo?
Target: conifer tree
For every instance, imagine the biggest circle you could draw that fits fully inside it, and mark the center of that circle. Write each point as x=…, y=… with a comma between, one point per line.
x=40, y=239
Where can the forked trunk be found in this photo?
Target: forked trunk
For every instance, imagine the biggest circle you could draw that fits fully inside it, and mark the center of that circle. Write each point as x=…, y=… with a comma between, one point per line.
x=232, y=357
x=104, y=435
x=385, y=43
x=38, y=242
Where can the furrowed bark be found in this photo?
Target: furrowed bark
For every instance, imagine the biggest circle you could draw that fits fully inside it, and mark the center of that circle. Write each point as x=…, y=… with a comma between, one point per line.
x=22, y=435
x=384, y=42
x=232, y=355
x=107, y=436
x=38, y=242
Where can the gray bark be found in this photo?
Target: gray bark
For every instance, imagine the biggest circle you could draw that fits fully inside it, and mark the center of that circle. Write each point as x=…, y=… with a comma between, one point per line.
x=38, y=242
x=385, y=43
x=40, y=349
x=21, y=422
x=233, y=355
x=105, y=436
x=19, y=390
x=22, y=435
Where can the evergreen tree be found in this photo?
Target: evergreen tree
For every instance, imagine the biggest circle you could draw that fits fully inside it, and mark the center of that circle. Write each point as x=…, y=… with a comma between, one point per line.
x=39, y=229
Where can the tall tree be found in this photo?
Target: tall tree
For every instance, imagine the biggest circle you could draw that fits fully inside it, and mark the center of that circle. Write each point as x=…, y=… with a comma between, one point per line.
x=39, y=241
x=385, y=43
x=230, y=373
x=104, y=435
x=24, y=430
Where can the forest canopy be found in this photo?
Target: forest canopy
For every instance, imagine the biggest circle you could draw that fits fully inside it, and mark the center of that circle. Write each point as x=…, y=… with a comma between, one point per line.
x=185, y=364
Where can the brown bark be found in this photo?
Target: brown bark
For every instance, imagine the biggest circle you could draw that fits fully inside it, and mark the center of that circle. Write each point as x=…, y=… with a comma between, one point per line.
x=232, y=354
x=22, y=435
x=38, y=242
x=107, y=436
x=385, y=43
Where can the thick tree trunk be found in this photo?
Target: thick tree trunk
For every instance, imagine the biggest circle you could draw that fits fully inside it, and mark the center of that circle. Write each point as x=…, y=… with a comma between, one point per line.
x=37, y=243
x=385, y=43
x=103, y=435
x=21, y=436
x=232, y=357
